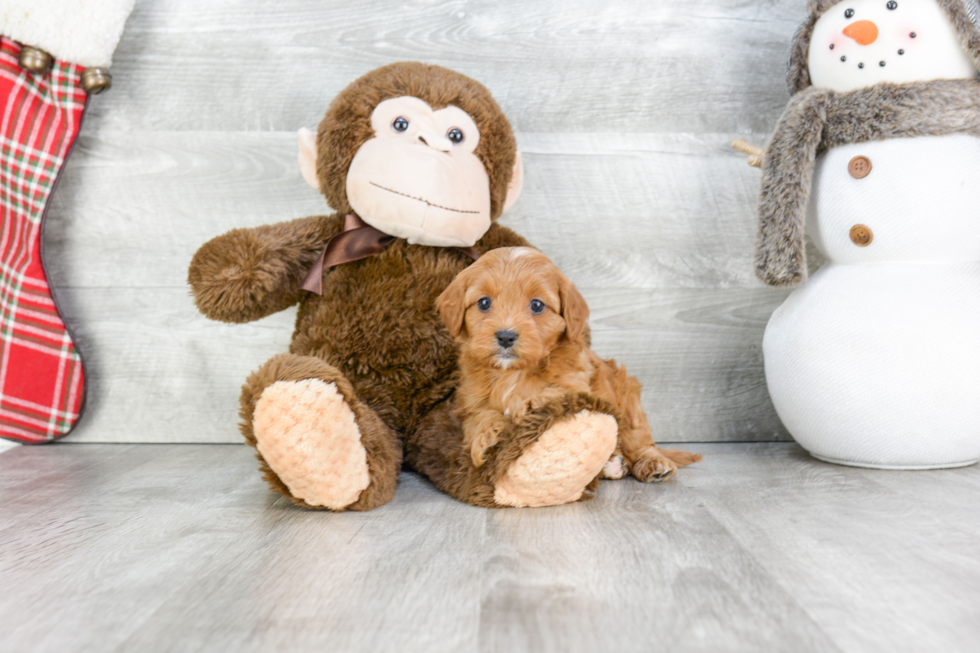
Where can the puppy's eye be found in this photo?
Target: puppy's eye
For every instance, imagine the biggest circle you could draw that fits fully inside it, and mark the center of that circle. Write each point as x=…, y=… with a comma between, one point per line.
x=455, y=135
x=484, y=304
x=537, y=306
x=400, y=124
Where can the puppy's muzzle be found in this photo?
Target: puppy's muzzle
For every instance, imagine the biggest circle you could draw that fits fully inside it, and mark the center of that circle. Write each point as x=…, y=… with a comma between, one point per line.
x=506, y=339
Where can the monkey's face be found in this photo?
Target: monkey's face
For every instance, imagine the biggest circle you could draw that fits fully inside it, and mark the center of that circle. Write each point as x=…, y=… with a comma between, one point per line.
x=418, y=177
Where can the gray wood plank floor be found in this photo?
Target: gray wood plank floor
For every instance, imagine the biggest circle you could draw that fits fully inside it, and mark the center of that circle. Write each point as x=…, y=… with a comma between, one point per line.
x=758, y=548
x=623, y=110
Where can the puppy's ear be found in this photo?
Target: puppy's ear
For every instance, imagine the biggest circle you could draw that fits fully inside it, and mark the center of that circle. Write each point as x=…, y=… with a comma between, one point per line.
x=452, y=303
x=573, y=308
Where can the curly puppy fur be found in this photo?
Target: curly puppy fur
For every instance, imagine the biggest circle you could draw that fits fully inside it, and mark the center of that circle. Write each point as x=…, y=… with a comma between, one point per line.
x=816, y=120
x=520, y=322
x=375, y=325
x=958, y=12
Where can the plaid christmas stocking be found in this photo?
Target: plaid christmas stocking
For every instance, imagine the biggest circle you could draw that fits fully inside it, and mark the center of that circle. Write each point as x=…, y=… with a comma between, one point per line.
x=42, y=384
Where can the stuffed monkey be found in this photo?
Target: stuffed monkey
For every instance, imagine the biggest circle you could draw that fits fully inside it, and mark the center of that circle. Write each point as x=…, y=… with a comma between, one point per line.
x=418, y=161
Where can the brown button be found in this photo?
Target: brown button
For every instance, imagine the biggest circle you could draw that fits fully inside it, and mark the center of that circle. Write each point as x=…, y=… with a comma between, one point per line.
x=859, y=167
x=861, y=235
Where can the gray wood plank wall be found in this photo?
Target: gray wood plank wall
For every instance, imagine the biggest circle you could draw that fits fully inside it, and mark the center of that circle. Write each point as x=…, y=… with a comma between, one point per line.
x=624, y=112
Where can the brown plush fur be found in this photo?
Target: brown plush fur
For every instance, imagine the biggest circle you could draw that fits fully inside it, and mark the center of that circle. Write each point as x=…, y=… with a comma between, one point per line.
x=374, y=331
x=501, y=385
x=798, y=74
x=436, y=448
x=818, y=119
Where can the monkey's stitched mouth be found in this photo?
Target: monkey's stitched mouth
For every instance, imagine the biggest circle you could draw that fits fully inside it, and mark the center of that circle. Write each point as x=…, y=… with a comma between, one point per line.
x=420, y=199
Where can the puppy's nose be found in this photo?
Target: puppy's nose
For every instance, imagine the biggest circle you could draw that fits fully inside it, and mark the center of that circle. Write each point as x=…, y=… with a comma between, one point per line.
x=506, y=339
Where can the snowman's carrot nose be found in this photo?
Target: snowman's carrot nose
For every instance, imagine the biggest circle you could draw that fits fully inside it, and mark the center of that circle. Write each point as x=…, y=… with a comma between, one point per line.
x=863, y=31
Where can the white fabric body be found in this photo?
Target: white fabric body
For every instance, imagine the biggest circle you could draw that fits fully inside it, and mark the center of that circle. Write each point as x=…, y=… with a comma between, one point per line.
x=921, y=201
x=935, y=51
x=876, y=359
x=83, y=32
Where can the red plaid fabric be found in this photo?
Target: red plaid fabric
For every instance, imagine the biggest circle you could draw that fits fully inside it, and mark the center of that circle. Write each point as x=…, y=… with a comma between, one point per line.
x=41, y=379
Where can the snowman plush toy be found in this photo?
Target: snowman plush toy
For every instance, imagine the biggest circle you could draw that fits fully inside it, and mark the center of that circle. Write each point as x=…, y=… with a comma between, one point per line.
x=875, y=360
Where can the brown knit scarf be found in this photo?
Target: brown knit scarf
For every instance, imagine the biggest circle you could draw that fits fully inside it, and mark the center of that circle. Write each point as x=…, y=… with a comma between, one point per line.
x=816, y=120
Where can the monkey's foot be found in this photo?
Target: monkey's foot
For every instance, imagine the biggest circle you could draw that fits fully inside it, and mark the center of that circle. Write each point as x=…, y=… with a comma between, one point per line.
x=561, y=463
x=309, y=437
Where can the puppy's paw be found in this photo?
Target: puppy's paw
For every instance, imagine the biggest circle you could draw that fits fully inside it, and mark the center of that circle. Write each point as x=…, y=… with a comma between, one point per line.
x=482, y=442
x=615, y=468
x=482, y=431
x=653, y=467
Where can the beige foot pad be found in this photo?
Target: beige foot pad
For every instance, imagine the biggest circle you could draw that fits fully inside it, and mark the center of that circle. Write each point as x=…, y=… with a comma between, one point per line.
x=307, y=434
x=556, y=468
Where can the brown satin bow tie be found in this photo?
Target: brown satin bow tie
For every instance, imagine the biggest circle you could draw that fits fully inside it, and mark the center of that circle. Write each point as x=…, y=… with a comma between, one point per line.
x=358, y=240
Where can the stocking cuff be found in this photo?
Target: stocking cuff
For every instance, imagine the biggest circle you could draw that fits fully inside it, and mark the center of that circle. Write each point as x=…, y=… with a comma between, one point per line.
x=83, y=32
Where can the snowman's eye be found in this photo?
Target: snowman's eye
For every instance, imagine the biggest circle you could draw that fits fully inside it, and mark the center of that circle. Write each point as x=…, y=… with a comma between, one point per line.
x=849, y=13
x=892, y=5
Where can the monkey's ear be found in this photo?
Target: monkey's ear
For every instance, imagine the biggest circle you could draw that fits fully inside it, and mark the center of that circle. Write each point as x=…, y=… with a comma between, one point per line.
x=307, y=157
x=573, y=308
x=452, y=303
x=516, y=183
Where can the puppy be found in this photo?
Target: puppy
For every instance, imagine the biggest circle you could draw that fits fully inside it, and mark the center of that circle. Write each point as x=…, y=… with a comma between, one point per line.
x=521, y=328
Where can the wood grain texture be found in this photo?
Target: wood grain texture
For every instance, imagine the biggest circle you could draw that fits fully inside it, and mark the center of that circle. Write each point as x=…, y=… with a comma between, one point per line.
x=624, y=114
x=757, y=548
x=637, y=66
x=637, y=211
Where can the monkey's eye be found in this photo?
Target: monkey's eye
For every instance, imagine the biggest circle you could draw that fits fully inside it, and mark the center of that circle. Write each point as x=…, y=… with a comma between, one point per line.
x=484, y=304
x=537, y=306
x=892, y=5
x=400, y=124
x=849, y=13
x=455, y=135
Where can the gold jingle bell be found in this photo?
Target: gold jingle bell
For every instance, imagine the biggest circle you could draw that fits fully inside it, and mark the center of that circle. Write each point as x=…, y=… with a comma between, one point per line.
x=35, y=60
x=96, y=80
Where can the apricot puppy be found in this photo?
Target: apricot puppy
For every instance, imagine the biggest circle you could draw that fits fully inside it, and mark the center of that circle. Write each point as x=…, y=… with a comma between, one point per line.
x=522, y=330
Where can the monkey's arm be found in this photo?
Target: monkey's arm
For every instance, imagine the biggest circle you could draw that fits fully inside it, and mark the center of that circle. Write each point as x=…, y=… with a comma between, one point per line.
x=247, y=274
